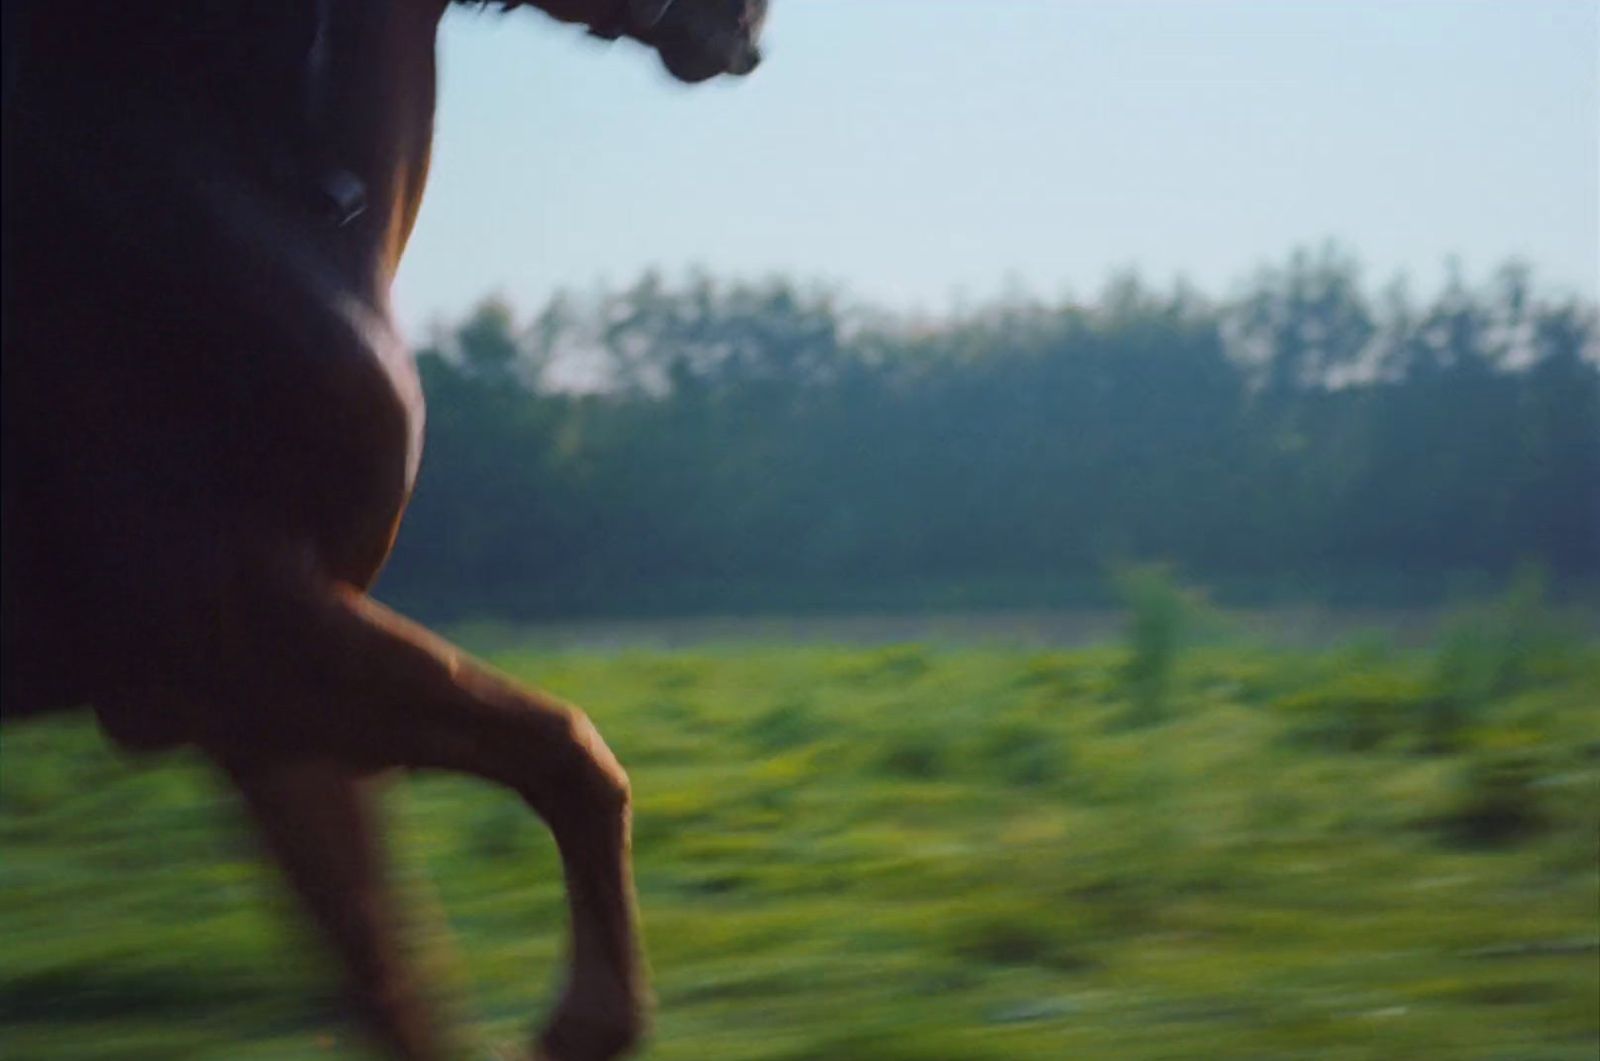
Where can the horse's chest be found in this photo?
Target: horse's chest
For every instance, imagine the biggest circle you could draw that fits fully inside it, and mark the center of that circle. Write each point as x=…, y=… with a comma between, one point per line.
x=405, y=384
x=362, y=421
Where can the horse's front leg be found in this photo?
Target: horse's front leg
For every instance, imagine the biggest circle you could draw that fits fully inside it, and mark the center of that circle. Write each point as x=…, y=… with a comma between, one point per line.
x=318, y=820
x=601, y=1008
x=323, y=672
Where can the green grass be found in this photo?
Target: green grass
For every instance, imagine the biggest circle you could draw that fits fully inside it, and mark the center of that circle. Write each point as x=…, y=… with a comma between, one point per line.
x=906, y=854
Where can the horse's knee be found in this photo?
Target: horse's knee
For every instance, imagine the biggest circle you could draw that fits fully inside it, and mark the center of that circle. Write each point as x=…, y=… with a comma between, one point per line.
x=572, y=773
x=608, y=781
x=324, y=663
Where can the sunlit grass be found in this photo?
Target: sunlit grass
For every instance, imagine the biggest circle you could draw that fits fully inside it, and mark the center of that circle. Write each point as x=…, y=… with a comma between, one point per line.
x=909, y=854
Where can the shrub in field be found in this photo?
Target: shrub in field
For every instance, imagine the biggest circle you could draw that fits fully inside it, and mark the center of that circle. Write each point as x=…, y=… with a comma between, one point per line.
x=1485, y=657
x=915, y=752
x=1033, y=933
x=1047, y=670
x=1357, y=711
x=1498, y=801
x=1492, y=651
x=1161, y=613
x=1077, y=679
x=1024, y=753
x=887, y=666
x=789, y=723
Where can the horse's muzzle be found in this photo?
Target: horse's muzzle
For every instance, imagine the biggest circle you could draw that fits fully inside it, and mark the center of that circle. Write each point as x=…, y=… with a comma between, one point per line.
x=692, y=64
x=747, y=62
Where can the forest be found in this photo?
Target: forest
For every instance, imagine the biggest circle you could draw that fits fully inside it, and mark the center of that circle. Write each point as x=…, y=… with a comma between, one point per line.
x=707, y=445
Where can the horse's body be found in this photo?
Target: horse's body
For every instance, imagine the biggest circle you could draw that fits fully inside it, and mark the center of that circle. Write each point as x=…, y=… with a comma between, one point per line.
x=211, y=429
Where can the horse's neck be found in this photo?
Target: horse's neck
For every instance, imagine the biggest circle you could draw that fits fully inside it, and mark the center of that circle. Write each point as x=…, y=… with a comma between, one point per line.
x=241, y=72
x=238, y=59
x=376, y=109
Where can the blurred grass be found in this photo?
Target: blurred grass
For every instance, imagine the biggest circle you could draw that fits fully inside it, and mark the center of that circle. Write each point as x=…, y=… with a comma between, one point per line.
x=912, y=854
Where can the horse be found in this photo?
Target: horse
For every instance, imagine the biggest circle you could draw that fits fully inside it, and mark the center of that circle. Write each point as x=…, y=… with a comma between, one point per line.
x=211, y=428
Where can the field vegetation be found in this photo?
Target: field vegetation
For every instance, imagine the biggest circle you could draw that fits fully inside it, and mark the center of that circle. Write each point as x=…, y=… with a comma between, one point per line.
x=1177, y=846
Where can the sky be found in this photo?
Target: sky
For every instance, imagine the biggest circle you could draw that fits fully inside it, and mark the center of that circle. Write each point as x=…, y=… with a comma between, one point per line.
x=927, y=154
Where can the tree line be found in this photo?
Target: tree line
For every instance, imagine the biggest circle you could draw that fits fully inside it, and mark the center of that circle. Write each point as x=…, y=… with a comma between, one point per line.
x=713, y=445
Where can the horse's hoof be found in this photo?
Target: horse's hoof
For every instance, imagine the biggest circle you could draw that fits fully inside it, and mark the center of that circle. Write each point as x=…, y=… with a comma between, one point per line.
x=591, y=1036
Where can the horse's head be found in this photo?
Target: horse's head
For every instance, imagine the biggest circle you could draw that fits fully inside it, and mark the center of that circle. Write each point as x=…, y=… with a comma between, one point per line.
x=696, y=39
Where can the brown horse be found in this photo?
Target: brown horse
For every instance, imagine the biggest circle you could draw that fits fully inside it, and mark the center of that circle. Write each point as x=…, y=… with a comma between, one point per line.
x=211, y=429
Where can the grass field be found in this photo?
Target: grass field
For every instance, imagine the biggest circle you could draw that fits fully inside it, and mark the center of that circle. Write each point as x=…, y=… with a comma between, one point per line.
x=912, y=854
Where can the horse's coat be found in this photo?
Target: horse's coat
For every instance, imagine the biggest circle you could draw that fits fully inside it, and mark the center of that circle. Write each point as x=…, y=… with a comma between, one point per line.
x=211, y=429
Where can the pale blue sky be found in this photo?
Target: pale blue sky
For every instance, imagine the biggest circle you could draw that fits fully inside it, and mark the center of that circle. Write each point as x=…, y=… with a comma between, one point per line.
x=922, y=152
